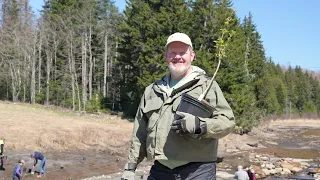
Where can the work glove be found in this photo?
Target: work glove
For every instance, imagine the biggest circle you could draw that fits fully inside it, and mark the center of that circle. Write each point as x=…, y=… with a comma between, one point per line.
x=129, y=171
x=188, y=124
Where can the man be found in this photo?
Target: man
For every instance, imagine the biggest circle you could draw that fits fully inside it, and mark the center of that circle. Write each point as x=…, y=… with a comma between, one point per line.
x=1, y=154
x=241, y=174
x=38, y=156
x=183, y=146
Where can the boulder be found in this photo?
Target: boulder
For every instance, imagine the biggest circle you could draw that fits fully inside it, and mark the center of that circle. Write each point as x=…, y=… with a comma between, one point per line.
x=270, y=166
x=264, y=158
x=295, y=169
x=278, y=170
x=257, y=169
x=286, y=170
x=286, y=165
x=266, y=172
x=295, y=164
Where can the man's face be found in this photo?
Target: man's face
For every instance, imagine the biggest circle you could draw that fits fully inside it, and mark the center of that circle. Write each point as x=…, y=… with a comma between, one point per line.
x=179, y=57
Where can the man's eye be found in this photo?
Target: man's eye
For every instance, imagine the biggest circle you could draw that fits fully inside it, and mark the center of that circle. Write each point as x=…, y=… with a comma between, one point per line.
x=172, y=54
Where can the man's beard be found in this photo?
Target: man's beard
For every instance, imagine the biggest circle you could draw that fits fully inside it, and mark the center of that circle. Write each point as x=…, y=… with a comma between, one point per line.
x=178, y=72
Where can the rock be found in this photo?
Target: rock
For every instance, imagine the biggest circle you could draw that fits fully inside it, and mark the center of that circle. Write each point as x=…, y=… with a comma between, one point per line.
x=252, y=156
x=274, y=159
x=295, y=164
x=270, y=166
x=266, y=172
x=295, y=169
x=287, y=159
x=317, y=170
x=232, y=150
x=257, y=169
x=273, y=171
x=264, y=158
x=286, y=165
x=304, y=164
x=278, y=170
x=286, y=170
x=224, y=175
x=271, y=142
x=283, y=173
x=252, y=144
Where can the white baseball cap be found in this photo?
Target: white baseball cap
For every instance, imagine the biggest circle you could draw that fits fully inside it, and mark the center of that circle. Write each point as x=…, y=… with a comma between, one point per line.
x=180, y=37
x=21, y=161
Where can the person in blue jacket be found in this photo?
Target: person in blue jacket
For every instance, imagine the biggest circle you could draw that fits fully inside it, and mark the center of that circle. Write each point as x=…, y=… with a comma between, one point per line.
x=17, y=171
x=38, y=156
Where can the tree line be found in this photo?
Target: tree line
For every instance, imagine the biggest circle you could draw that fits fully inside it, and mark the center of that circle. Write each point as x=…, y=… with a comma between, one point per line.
x=87, y=56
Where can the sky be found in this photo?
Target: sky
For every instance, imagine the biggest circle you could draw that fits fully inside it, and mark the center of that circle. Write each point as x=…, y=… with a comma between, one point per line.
x=289, y=29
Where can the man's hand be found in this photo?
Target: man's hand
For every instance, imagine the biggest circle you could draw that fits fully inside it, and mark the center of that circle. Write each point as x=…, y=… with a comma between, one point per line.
x=186, y=123
x=128, y=175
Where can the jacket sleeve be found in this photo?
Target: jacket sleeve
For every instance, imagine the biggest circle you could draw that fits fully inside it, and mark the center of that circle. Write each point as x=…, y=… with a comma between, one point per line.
x=222, y=121
x=35, y=161
x=18, y=170
x=137, y=150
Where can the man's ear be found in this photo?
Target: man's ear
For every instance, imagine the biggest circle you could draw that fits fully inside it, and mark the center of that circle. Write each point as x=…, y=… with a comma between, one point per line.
x=193, y=56
x=165, y=54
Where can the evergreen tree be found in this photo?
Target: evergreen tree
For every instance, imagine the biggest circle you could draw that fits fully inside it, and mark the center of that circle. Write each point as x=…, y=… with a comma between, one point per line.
x=143, y=36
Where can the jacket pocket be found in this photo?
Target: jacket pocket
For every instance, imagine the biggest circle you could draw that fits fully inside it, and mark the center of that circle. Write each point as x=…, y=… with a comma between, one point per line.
x=151, y=109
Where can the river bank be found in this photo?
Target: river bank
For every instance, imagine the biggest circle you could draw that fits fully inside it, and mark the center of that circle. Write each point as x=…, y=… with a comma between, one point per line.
x=80, y=146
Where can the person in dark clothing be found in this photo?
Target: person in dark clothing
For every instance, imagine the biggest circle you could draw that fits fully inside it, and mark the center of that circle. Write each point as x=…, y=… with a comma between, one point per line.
x=17, y=171
x=249, y=174
x=38, y=156
x=1, y=154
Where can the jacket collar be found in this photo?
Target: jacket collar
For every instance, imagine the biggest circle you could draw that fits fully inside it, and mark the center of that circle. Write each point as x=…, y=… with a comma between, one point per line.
x=197, y=81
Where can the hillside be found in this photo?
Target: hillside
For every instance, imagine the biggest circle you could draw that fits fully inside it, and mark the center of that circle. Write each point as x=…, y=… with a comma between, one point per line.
x=81, y=144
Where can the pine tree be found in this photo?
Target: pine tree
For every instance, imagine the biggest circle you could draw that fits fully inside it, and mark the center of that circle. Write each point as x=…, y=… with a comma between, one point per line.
x=143, y=36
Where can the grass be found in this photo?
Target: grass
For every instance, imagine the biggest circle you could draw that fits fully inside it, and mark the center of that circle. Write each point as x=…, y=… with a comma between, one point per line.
x=290, y=153
x=310, y=133
x=45, y=128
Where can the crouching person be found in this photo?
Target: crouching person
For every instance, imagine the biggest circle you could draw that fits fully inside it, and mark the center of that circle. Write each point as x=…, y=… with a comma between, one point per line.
x=17, y=171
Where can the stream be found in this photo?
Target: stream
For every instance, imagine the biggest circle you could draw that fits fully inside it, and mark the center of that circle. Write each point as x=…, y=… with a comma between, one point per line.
x=297, y=143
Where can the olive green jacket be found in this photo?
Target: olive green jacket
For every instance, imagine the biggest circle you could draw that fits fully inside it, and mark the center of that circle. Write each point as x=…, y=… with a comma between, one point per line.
x=152, y=137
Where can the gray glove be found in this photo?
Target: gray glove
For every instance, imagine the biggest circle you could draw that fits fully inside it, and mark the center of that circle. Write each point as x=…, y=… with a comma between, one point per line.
x=186, y=123
x=129, y=171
